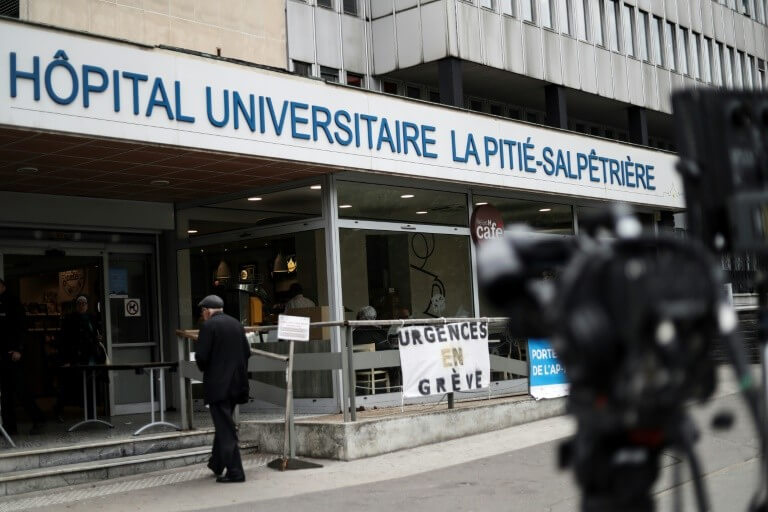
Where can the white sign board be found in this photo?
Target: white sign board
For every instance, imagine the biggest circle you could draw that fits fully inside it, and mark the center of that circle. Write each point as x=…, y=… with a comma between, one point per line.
x=65, y=82
x=294, y=328
x=132, y=307
x=438, y=359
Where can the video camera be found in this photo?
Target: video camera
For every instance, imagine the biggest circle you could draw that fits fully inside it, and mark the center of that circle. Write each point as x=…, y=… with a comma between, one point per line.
x=633, y=316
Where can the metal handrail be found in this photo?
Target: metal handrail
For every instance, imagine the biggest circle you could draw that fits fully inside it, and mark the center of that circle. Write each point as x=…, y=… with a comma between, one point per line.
x=348, y=365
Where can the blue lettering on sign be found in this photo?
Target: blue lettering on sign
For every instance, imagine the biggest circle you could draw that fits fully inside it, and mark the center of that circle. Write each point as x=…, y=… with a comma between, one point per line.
x=65, y=83
x=545, y=367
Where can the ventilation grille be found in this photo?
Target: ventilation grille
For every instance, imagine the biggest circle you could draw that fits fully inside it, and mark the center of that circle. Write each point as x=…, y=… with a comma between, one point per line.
x=9, y=8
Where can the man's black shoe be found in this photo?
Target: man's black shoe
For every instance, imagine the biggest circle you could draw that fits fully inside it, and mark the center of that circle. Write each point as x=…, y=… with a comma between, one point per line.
x=226, y=479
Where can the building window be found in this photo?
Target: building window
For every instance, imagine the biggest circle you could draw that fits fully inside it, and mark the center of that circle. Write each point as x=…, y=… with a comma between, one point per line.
x=350, y=7
x=760, y=11
x=546, y=14
x=749, y=66
x=671, y=43
x=487, y=4
x=643, y=51
x=531, y=117
x=354, y=80
x=514, y=113
x=582, y=19
x=497, y=109
x=413, y=91
x=529, y=11
x=612, y=15
x=706, y=60
x=302, y=68
x=476, y=105
x=682, y=47
x=564, y=16
x=718, y=68
x=738, y=71
x=599, y=24
x=325, y=3
x=507, y=7
x=695, y=56
x=728, y=66
x=329, y=74
x=760, y=73
x=657, y=41
x=389, y=87
x=434, y=96
x=628, y=23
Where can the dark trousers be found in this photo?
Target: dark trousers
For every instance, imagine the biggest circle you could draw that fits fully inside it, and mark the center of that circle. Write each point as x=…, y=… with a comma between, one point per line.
x=226, y=452
x=10, y=386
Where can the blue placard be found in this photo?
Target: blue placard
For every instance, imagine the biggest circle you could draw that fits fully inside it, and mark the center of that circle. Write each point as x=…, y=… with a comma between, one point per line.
x=545, y=367
x=118, y=281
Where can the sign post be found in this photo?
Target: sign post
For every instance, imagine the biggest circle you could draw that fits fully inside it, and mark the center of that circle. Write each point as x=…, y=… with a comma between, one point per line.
x=291, y=329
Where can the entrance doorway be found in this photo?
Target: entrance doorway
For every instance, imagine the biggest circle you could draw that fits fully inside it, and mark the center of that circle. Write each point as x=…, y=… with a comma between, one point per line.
x=47, y=285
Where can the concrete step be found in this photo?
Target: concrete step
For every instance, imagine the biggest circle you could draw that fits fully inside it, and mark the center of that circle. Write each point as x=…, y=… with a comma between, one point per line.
x=51, y=456
x=29, y=480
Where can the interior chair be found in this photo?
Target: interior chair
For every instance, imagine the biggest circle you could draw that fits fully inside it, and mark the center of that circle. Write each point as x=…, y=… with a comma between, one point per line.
x=369, y=379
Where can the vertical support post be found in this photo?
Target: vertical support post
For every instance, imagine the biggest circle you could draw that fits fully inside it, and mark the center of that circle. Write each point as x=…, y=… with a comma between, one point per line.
x=557, y=106
x=451, y=82
x=450, y=400
x=85, y=395
x=184, y=397
x=162, y=395
x=152, y=394
x=637, y=119
x=289, y=448
x=351, y=377
x=345, y=376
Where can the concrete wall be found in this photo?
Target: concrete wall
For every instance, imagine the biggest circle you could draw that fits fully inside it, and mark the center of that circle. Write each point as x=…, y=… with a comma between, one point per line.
x=241, y=29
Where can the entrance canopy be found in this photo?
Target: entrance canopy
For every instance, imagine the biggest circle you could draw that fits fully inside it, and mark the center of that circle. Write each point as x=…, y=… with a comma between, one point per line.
x=51, y=163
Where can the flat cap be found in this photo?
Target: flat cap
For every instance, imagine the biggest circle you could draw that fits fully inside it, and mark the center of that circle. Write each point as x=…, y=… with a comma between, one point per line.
x=211, y=302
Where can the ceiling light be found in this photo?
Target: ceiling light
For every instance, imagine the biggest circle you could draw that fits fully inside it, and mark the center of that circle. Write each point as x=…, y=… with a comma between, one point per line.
x=406, y=196
x=345, y=206
x=316, y=187
x=480, y=204
x=422, y=212
x=27, y=170
x=159, y=183
x=192, y=231
x=545, y=209
x=254, y=199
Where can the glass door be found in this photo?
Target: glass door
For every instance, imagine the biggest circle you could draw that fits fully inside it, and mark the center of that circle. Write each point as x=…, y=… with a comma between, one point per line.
x=130, y=280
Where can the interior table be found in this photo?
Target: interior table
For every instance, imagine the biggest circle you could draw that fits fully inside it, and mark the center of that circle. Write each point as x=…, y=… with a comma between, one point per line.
x=152, y=369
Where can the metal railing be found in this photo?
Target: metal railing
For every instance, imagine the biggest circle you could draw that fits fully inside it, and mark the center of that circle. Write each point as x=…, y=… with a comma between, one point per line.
x=348, y=360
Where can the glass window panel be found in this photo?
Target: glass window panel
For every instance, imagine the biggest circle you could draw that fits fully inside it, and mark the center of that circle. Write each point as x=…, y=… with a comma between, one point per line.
x=750, y=66
x=760, y=73
x=728, y=66
x=528, y=10
x=564, y=16
x=706, y=60
x=760, y=10
x=642, y=37
x=599, y=21
x=612, y=26
x=329, y=74
x=695, y=56
x=718, y=68
x=325, y=3
x=671, y=44
x=682, y=46
x=350, y=7
x=488, y=4
x=628, y=23
x=546, y=13
x=541, y=217
x=254, y=276
x=738, y=72
x=506, y=7
x=581, y=19
x=401, y=204
x=258, y=210
x=405, y=275
x=658, y=41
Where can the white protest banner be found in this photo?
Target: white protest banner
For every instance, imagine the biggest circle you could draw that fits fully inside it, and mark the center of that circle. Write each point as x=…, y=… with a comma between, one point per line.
x=447, y=358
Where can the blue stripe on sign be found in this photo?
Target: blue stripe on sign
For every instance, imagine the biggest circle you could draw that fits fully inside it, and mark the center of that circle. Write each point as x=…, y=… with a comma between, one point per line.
x=545, y=367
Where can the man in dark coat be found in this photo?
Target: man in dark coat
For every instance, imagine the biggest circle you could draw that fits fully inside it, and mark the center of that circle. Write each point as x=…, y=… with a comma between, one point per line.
x=222, y=353
x=11, y=328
